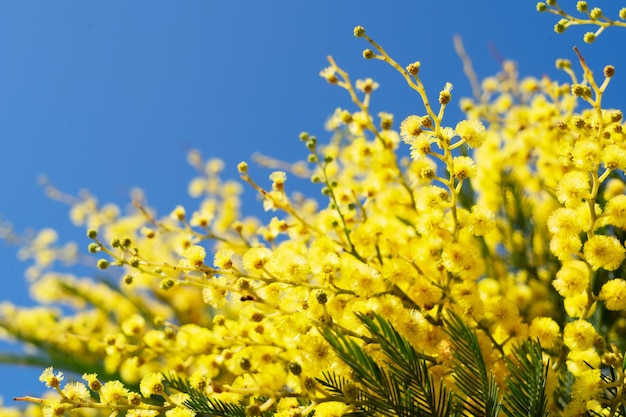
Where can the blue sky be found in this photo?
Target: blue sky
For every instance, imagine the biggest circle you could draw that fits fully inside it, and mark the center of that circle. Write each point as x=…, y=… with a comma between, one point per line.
x=110, y=95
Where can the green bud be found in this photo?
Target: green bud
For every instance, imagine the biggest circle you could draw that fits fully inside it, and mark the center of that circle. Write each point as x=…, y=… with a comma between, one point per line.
x=93, y=248
x=589, y=37
x=581, y=6
x=134, y=262
x=595, y=13
x=615, y=116
x=295, y=368
x=622, y=13
x=245, y=364
x=102, y=264
x=563, y=63
x=115, y=242
x=166, y=284
x=359, y=31
x=321, y=297
x=328, y=159
x=413, y=68
x=368, y=54
x=92, y=234
x=541, y=7
x=304, y=136
x=444, y=97
x=561, y=25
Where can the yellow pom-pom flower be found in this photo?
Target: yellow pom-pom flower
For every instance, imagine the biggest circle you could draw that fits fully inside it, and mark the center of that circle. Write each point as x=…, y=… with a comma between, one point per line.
x=51, y=379
x=546, y=330
x=604, y=252
x=152, y=384
x=195, y=255
x=614, y=294
x=573, y=188
x=472, y=132
x=579, y=335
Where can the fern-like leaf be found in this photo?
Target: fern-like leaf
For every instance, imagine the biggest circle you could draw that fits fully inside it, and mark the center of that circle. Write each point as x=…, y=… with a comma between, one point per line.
x=410, y=368
x=526, y=383
x=470, y=371
x=201, y=403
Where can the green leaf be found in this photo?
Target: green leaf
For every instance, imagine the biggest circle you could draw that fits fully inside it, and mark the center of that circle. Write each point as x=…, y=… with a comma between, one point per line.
x=470, y=371
x=410, y=368
x=526, y=383
x=201, y=403
x=402, y=386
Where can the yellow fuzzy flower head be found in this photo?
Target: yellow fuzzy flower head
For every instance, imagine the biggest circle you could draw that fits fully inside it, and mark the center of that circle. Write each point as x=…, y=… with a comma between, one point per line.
x=615, y=211
x=51, y=379
x=579, y=335
x=151, y=385
x=76, y=391
x=195, y=255
x=572, y=279
x=463, y=260
x=546, y=330
x=604, y=252
x=472, y=132
x=113, y=392
x=586, y=155
x=410, y=128
x=614, y=294
x=573, y=188
x=464, y=167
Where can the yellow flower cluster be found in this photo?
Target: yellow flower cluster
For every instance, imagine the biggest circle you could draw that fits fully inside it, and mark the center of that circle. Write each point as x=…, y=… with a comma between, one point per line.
x=514, y=220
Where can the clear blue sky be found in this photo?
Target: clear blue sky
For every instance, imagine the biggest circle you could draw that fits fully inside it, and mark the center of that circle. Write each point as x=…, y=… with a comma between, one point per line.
x=108, y=95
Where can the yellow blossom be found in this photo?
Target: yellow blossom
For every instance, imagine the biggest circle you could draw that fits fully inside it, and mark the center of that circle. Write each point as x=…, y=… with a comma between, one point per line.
x=410, y=128
x=223, y=258
x=572, y=279
x=573, y=188
x=464, y=167
x=579, y=335
x=180, y=412
x=195, y=255
x=255, y=259
x=615, y=211
x=151, y=385
x=604, y=252
x=472, y=132
x=613, y=293
x=546, y=330
x=76, y=391
x=112, y=393
x=614, y=157
x=51, y=379
x=463, y=260
x=586, y=155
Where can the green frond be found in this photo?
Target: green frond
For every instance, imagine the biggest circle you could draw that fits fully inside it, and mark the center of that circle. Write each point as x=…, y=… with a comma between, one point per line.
x=470, y=371
x=526, y=383
x=563, y=392
x=201, y=403
x=403, y=386
x=409, y=367
x=366, y=369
